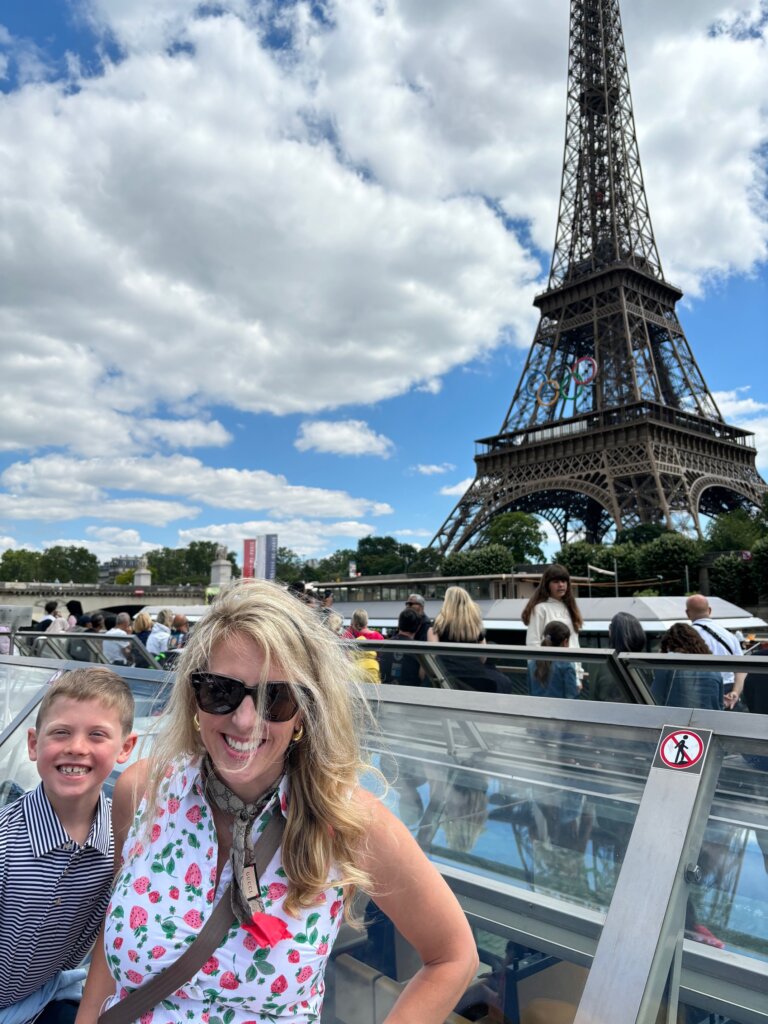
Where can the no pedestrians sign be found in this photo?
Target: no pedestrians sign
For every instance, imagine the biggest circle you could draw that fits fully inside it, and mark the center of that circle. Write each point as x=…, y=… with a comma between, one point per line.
x=682, y=750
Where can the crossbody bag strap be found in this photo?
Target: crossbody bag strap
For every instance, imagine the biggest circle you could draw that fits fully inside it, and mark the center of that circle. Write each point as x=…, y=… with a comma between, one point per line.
x=204, y=946
x=720, y=639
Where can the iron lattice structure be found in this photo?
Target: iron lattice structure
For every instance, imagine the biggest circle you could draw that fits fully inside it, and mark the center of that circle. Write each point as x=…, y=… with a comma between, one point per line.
x=612, y=423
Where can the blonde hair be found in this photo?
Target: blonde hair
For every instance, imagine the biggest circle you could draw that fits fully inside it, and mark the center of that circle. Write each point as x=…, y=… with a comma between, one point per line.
x=459, y=620
x=141, y=622
x=99, y=684
x=359, y=619
x=165, y=616
x=324, y=827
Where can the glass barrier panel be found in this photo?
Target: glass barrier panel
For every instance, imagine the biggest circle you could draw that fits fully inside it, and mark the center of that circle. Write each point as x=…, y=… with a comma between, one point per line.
x=97, y=648
x=582, y=675
x=728, y=908
x=543, y=805
x=19, y=683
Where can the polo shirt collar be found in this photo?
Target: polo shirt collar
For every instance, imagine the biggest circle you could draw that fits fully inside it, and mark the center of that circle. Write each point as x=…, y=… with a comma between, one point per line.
x=46, y=833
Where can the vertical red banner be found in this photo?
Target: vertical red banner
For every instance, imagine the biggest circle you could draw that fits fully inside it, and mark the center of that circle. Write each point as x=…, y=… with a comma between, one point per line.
x=249, y=557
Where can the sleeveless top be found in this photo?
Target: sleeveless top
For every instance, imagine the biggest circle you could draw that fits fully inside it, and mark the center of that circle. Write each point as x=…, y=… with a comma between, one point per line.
x=163, y=897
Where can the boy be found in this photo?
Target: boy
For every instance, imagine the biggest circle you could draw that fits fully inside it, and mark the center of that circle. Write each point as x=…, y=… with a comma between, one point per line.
x=56, y=845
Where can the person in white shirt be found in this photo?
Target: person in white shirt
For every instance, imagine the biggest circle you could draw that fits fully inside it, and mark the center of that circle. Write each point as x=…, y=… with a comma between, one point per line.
x=720, y=641
x=159, y=638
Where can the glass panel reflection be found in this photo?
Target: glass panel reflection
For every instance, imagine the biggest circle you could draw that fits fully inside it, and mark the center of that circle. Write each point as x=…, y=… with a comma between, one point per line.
x=729, y=908
x=543, y=805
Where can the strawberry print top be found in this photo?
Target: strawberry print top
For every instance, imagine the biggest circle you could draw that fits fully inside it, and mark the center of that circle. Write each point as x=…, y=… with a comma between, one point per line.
x=163, y=897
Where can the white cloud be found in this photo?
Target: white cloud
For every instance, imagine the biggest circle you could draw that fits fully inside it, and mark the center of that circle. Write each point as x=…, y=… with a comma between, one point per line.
x=307, y=537
x=107, y=542
x=61, y=487
x=457, y=490
x=342, y=437
x=7, y=542
x=414, y=533
x=740, y=409
x=432, y=469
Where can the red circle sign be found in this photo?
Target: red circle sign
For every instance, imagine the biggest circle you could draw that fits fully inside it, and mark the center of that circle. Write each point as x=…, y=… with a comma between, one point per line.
x=681, y=749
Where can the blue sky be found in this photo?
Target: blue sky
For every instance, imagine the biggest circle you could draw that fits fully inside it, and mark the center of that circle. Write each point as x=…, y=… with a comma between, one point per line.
x=268, y=267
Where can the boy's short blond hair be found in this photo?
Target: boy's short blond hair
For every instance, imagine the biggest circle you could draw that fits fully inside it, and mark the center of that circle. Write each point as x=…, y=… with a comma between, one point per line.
x=97, y=683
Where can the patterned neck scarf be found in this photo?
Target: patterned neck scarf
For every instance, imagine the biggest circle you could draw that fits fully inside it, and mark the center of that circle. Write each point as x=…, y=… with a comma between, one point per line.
x=244, y=816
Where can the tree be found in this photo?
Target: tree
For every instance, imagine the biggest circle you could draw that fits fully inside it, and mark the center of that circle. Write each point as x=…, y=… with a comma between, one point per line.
x=730, y=579
x=69, y=563
x=380, y=556
x=734, y=531
x=426, y=560
x=577, y=555
x=643, y=533
x=289, y=567
x=758, y=568
x=335, y=566
x=176, y=566
x=458, y=563
x=20, y=564
x=491, y=559
x=519, y=532
x=666, y=559
x=125, y=577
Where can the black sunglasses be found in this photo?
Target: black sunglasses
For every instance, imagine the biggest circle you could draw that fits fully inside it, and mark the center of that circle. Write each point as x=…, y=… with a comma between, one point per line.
x=221, y=695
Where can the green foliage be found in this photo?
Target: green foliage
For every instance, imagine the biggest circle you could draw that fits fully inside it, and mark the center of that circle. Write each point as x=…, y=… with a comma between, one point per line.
x=289, y=567
x=576, y=556
x=75, y=564
x=458, y=563
x=758, y=568
x=426, y=560
x=519, y=532
x=480, y=561
x=666, y=558
x=643, y=533
x=335, y=566
x=125, y=577
x=731, y=579
x=734, y=531
x=192, y=564
x=19, y=564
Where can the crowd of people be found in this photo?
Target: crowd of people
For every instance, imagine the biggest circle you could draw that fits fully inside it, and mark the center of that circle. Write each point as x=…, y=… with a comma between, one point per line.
x=552, y=619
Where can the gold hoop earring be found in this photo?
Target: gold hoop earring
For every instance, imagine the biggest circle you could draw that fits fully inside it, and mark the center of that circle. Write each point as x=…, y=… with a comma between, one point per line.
x=196, y=722
x=298, y=735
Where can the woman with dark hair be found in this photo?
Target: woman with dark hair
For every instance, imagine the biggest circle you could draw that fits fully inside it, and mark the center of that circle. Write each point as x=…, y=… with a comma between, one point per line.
x=552, y=601
x=75, y=610
x=553, y=678
x=626, y=636
x=687, y=688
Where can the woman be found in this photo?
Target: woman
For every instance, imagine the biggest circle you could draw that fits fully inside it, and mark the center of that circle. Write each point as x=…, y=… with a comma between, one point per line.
x=238, y=745
x=685, y=687
x=142, y=626
x=459, y=622
x=359, y=627
x=75, y=610
x=552, y=601
x=553, y=678
x=626, y=636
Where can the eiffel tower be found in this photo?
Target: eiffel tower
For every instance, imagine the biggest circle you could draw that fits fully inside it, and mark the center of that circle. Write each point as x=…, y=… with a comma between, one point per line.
x=612, y=424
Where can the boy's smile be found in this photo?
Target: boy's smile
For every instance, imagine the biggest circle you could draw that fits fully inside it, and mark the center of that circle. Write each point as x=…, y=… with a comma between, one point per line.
x=76, y=748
